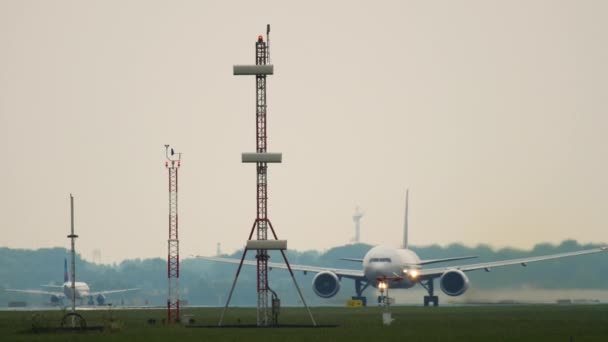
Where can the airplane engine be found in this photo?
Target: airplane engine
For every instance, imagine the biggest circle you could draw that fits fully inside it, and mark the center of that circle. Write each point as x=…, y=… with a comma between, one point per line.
x=101, y=299
x=55, y=300
x=454, y=282
x=326, y=284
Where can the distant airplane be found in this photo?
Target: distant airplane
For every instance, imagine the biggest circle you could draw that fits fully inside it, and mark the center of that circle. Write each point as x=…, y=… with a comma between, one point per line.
x=81, y=288
x=402, y=268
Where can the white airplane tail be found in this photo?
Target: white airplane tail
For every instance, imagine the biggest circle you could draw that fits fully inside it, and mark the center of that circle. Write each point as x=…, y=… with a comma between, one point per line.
x=66, y=275
x=405, y=220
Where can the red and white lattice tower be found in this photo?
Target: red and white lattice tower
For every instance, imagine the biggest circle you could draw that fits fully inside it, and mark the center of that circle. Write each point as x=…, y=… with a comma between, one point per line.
x=172, y=164
x=261, y=244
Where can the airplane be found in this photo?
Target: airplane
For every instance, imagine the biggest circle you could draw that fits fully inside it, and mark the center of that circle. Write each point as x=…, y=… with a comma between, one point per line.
x=81, y=288
x=401, y=268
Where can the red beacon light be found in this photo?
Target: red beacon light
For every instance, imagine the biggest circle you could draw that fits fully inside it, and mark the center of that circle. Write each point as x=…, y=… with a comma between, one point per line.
x=166, y=164
x=260, y=38
x=179, y=163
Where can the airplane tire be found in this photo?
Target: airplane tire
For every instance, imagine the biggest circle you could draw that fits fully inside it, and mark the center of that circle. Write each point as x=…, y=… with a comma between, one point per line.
x=431, y=299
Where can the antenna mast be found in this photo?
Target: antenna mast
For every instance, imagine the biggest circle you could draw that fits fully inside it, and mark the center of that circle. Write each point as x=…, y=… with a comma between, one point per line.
x=73, y=236
x=261, y=244
x=172, y=164
x=268, y=43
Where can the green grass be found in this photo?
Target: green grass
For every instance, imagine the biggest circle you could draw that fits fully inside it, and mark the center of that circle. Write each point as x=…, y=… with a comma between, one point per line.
x=466, y=323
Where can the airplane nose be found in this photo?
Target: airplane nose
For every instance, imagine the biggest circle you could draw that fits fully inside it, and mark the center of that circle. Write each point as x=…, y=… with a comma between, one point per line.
x=373, y=271
x=372, y=267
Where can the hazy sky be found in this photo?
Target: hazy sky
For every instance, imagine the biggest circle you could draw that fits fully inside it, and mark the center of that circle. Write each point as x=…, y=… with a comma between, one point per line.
x=493, y=113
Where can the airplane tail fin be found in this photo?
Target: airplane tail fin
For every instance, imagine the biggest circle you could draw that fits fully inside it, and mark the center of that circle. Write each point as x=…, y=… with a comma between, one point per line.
x=407, y=192
x=66, y=276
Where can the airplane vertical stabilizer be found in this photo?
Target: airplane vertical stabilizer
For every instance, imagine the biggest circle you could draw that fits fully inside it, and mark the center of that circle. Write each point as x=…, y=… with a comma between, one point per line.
x=405, y=220
x=66, y=276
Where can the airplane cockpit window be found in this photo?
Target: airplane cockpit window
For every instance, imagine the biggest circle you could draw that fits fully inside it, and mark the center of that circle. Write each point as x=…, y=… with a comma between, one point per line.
x=380, y=260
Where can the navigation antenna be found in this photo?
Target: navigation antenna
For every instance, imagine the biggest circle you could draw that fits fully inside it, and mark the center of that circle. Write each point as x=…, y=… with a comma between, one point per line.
x=261, y=244
x=172, y=164
x=268, y=43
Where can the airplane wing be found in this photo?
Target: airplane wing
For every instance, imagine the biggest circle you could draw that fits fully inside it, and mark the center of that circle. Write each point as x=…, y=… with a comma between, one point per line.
x=112, y=291
x=436, y=272
x=434, y=261
x=39, y=292
x=352, y=259
x=346, y=273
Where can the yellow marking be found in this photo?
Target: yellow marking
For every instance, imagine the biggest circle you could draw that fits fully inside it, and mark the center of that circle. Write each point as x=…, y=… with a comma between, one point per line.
x=354, y=303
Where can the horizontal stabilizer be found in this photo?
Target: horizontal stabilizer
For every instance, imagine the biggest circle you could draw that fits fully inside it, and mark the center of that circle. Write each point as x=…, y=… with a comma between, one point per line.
x=434, y=261
x=352, y=259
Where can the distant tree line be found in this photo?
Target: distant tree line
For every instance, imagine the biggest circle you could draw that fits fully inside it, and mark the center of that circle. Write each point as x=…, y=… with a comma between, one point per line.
x=207, y=283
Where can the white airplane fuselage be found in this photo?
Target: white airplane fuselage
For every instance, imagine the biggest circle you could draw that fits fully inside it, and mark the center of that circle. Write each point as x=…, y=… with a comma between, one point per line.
x=82, y=289
x=382, y=263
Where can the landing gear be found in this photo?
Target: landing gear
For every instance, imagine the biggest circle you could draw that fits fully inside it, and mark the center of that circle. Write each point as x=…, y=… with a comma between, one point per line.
x=431, y=298
x=359, y=289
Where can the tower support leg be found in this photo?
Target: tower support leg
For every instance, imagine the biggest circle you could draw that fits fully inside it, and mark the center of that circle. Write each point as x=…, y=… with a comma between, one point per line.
x=314, y=323
x=236, y=277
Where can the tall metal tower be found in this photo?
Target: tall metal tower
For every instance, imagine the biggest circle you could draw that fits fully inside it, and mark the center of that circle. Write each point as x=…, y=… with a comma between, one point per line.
x=72, y=237
x=72, y=319
x=357, y=219
x=172, y=164
x=261, y=158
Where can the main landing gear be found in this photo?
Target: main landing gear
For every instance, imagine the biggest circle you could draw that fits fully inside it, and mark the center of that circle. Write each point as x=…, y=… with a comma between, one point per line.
x=359, y=288
x=431, y=298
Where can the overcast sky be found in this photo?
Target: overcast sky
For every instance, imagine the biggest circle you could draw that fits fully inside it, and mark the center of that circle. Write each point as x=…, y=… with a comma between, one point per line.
x=492, y=113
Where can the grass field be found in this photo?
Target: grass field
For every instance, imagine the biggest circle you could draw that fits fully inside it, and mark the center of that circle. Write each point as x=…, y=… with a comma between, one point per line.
x=449, y=323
